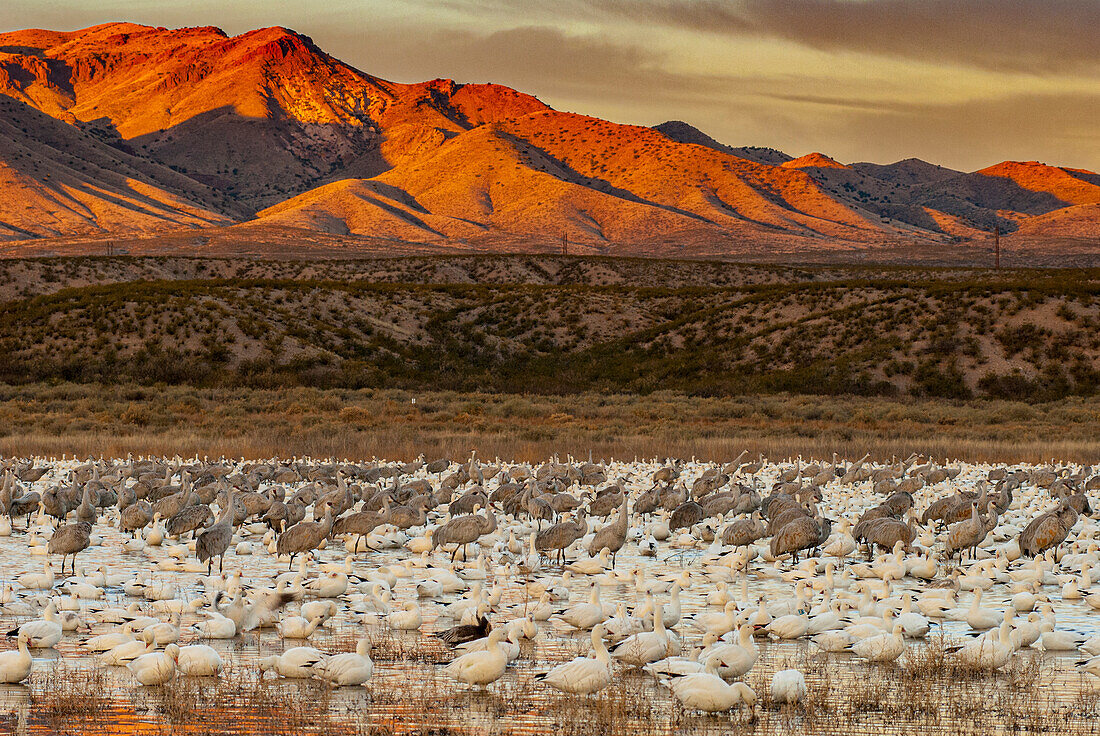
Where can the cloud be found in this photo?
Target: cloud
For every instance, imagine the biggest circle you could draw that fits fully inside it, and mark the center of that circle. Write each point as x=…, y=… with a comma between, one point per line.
x=592, y=74
x=1047, y=37
x=539, y=60
x=1056, y=128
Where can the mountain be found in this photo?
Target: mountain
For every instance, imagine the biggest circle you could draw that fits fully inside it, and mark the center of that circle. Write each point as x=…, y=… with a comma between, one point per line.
x=123, y=130
x=682, y=132
x=58, y=180
x=907, y=172
x=260, y=116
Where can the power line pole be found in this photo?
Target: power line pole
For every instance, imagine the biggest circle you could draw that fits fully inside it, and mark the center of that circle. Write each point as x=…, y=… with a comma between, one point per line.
x=564, y=244
x=997, y=246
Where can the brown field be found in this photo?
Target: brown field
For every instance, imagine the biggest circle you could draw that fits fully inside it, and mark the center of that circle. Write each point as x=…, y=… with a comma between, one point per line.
x=114, y=420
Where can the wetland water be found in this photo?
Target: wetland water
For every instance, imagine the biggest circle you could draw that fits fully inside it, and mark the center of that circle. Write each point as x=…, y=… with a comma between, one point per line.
x=410, y=693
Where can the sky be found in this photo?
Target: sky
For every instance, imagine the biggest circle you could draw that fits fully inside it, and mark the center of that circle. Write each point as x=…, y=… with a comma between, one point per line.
x=962, y=83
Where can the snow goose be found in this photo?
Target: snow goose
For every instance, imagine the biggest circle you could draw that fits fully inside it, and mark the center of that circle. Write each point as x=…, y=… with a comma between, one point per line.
x=582, y=675
x=648, y=646
x=708, y=692
x=882, y=648
x=980, y=618
x=41, y=633
x=37, y=580
x=127, y=651
x=155, y=668
x=295, y=663
x=788, y=686
x=348, y=669
x=216, y=626
x=15, y=666
x=297, y=627
x=407, y=619
x=734, y=659
x=480, y=668
x=108, y=641
x=585, y=615
x=199, y=660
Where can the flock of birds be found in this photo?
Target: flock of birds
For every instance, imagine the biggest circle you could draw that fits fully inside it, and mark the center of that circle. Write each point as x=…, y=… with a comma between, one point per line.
x=852, y=557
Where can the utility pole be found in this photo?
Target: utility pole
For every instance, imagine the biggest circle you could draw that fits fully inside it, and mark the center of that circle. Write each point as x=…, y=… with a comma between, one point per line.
x=564, y=244
x=997, y=246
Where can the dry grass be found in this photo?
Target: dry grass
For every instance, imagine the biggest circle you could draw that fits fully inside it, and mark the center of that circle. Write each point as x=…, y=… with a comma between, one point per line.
x=928, y=692
x=90, y=420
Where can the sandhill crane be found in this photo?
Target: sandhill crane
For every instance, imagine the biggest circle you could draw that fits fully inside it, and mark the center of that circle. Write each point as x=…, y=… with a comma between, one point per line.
x=1047, y=530
x=134, y=517
x=69, y=540
x=361, y=524
x=685, y=516
x=800, y=534
x=404, y=517
x=967, y=534
x=744, y=532
x=462, y=530
x=189, y=519
x=558, y=537
x=885, y=532
x=86, y=510
x=612, y=536
x=215, y=541
x=304, y=536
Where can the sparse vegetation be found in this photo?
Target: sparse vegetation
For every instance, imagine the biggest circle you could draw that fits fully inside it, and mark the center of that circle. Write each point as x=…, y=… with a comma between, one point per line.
x=113, y=420
x=556, y=326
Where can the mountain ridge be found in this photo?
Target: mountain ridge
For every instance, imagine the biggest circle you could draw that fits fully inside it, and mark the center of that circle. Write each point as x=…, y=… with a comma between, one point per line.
x=193, y=128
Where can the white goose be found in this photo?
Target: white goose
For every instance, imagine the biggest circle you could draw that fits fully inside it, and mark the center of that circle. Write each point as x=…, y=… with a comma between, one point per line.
x=990, y=652
x=199, y=660
x=106, y=642
x=980, y=618
x=648, y=646
x=295, y=663
x=708, y=692
x=216, y=626
x=128, y=651
x=42, y=633
x=15, y=666
x=350, y=668
x=582, y=675
x=736, y=659
x=882, y=648
x=481, y=668
x=297, y=627
x=717, y=623
x=788, y=686
x=407, y=619
x=586, y=615
x=155, y=668
x=37, y=580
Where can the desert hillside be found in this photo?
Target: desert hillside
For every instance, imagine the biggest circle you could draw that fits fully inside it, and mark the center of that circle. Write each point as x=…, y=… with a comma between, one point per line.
x=552, y=324
x=123, y=131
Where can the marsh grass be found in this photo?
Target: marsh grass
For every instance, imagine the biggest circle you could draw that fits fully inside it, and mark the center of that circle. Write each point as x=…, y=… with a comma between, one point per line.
x=115, y=420
x=928, y=692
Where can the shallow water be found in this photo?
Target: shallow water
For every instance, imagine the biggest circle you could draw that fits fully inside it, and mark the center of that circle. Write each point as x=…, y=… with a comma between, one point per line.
x=415, y=671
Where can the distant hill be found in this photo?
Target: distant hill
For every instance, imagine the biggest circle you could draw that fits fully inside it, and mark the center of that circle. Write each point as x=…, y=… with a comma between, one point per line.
x=123, y=130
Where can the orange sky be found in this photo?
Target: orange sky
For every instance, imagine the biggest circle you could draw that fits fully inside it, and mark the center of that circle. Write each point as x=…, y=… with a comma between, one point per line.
x=964, y=83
